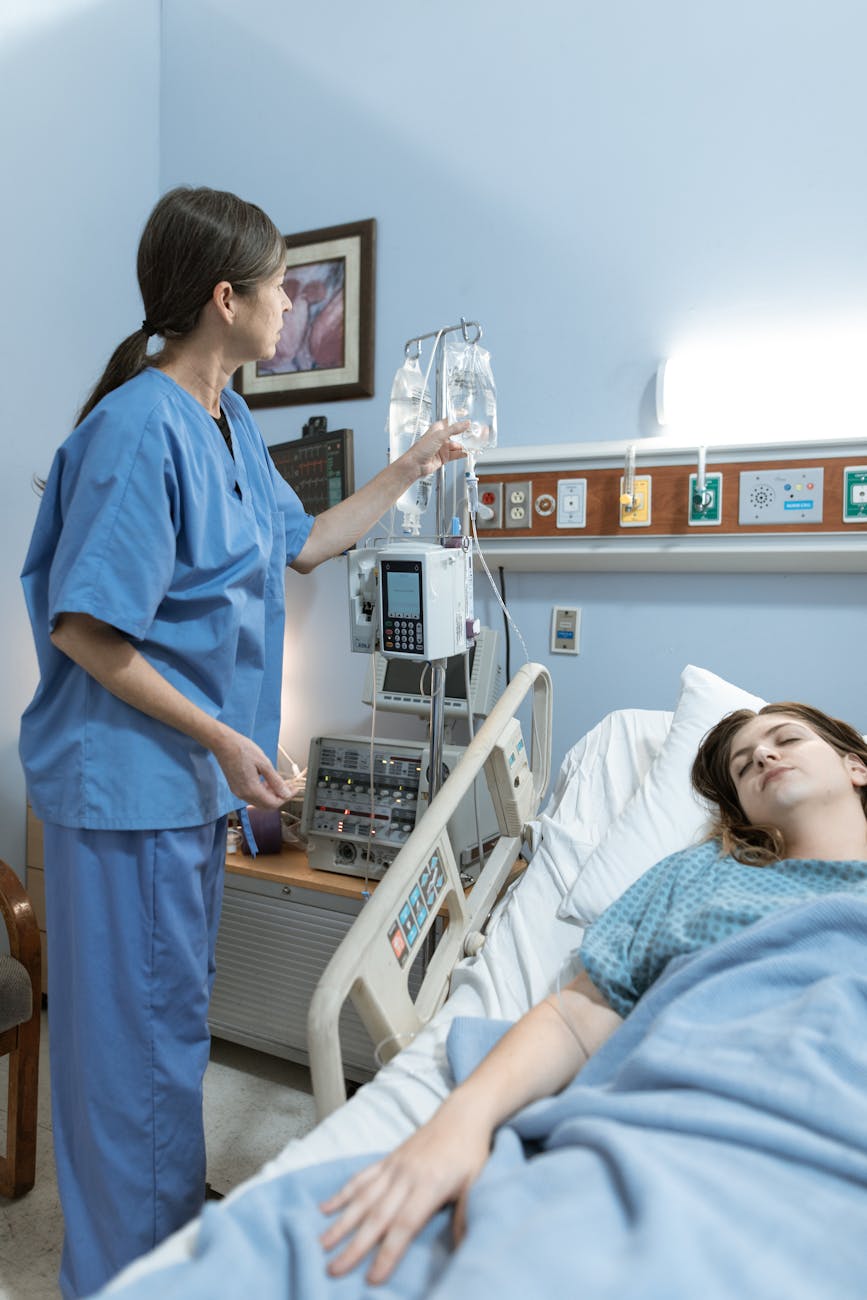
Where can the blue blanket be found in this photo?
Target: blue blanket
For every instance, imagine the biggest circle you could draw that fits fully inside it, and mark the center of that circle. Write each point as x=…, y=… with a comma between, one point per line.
x=715, y=1147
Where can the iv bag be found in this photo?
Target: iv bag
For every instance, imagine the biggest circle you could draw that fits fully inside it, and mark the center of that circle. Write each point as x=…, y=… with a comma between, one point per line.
x=409, y=416
x=471, y=395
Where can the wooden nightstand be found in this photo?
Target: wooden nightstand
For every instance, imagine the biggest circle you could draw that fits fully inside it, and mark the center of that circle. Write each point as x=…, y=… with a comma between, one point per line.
x=281, y=924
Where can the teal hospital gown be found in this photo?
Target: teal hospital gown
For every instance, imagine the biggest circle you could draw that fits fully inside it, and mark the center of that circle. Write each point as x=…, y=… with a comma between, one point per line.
x=691, y=900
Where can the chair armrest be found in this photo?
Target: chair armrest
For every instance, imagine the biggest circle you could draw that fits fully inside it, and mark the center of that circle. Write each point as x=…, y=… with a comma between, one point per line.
x=22, y=926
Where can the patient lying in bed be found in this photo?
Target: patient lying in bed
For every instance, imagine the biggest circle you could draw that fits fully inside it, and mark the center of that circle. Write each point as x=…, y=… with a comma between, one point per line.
x=744, y=991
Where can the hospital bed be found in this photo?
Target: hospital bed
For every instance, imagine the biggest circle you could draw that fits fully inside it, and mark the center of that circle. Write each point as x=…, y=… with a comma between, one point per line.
x=621, y=802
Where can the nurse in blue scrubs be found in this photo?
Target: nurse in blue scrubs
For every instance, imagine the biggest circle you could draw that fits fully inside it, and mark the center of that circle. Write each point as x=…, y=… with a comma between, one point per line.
x=155, y=586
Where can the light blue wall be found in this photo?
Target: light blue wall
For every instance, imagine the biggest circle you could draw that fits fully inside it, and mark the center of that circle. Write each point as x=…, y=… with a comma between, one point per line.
x=79, y=83
x=595, y=183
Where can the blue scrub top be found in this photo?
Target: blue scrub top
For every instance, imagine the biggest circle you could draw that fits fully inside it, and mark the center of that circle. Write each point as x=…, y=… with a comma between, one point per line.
x=141, y=526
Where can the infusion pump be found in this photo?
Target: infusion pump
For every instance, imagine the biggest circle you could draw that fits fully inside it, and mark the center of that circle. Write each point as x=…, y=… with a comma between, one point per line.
x=412, y=601
x=352, y=831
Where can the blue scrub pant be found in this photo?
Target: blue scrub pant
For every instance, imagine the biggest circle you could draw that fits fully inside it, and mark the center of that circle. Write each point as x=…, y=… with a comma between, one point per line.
x=132, y=926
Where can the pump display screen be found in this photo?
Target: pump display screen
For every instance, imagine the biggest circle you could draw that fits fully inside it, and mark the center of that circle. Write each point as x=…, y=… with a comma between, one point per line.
x=402, y=614
x=402, y=593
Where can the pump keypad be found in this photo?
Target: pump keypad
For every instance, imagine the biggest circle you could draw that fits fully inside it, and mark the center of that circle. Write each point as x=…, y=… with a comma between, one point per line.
x=403, y=636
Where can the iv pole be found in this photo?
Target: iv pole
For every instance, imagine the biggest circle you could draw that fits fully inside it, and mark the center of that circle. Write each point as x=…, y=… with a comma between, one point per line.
x=412, y=350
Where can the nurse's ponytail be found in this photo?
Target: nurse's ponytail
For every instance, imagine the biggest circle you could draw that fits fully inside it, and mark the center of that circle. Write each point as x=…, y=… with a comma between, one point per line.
x=193, y=239
x=128, y=360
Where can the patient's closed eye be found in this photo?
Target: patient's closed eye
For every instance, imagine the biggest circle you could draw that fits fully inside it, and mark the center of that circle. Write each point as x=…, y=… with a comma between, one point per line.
x=780, y=740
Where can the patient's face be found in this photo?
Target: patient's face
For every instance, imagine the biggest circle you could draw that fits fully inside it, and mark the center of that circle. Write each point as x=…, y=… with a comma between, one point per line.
x=779, y=764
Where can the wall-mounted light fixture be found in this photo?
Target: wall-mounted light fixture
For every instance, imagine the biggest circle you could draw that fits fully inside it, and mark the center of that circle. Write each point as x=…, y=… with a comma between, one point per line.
x=758, y=389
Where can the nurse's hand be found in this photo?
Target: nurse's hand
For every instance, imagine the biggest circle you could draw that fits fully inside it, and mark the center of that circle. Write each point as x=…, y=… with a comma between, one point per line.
x=435, y=448
x=249, y=772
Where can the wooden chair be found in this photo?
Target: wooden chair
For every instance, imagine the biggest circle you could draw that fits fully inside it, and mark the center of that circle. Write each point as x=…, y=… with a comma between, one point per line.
x=20, y=1013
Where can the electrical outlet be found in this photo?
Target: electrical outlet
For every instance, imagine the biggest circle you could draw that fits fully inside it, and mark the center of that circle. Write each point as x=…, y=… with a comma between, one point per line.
x=706, y=513
x=854, y=494
x=517, y=505
x=490, y=495
x=638, y=514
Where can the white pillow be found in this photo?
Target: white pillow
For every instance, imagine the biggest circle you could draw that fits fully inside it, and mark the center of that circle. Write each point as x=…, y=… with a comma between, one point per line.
x=664, y=815
x=597, y=779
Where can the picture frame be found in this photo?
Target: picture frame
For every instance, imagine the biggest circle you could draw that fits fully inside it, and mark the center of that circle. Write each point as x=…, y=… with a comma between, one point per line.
x=326, y=349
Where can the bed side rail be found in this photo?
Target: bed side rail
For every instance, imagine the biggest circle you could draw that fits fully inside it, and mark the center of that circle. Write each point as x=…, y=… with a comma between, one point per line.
x=372, y=964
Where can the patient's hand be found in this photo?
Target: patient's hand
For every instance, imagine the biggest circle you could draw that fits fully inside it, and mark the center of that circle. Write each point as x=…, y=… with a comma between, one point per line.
x=389, y=1202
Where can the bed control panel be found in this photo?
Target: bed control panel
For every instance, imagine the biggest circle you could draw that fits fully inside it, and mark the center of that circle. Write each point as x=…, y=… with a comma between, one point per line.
x=420, y=902
x=510, y=781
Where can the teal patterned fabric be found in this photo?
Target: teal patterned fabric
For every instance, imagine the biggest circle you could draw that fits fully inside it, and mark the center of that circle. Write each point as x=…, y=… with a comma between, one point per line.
x=691, y=900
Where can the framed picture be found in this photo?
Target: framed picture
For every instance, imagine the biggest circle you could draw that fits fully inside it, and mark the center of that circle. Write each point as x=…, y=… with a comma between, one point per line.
x=325, y=352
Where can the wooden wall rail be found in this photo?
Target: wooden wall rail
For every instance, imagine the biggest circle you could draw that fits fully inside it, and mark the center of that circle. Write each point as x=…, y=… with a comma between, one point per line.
x=670, y=500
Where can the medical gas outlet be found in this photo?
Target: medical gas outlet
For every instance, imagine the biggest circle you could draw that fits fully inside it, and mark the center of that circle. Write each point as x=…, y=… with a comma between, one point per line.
x=705, y=506
x=635, y=506
x=854, y=494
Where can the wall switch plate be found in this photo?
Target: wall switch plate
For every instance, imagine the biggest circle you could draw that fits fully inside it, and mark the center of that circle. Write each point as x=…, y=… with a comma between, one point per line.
x=565, y=630
x=639, y=515
x=708, y=513
x=854, y=494
x=572, y=503
x=517, y=506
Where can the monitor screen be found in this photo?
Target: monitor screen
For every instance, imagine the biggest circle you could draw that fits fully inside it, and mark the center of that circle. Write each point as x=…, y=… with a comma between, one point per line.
x=405, y=677
x=403, y=685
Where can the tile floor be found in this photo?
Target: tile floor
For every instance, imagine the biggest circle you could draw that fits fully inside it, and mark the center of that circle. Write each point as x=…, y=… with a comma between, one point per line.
x=238, y=1083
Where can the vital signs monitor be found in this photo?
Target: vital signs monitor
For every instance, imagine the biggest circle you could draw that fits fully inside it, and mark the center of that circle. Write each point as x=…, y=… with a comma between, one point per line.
x=403, y=686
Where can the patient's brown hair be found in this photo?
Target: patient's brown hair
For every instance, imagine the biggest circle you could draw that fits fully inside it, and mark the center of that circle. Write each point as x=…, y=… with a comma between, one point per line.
x=711, y=777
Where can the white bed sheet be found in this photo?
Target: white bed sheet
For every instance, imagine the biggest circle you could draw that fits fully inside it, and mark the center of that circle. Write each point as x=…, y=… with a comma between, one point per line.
x=528, y=951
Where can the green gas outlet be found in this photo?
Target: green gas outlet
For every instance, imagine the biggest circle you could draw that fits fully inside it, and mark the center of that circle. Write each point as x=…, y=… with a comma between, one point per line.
x=854, y=494
x=705, y=510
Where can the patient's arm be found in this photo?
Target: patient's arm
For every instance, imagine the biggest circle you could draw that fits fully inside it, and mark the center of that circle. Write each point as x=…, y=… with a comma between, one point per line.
x=389, y=1202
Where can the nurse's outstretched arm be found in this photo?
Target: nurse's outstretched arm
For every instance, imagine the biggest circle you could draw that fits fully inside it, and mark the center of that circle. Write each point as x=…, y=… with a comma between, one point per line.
x=386, y=1205
x=115, y=663
x=335, y=530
